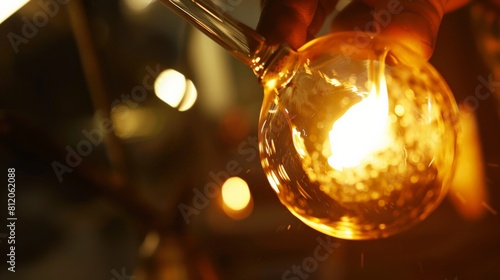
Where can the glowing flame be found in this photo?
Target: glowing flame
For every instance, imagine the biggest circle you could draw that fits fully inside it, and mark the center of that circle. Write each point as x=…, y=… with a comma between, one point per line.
x=362, y=130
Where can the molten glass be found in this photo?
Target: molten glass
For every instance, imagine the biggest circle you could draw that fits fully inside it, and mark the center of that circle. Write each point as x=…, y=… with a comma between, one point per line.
x=361, y=143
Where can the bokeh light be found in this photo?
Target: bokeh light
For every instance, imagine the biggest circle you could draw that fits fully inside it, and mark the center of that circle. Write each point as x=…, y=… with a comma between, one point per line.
x=173, y=88
x=236, y=194
x=134, y=123
x=237, y=200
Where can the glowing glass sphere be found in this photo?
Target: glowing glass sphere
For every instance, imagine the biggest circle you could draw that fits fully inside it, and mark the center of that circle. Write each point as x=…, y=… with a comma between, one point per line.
x=361, y=143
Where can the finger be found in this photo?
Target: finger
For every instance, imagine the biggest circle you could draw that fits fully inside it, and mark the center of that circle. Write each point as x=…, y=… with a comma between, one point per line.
x=323, y=9
x=354, y=17
x=415, y=23
x=286, y=21
x=292, y=21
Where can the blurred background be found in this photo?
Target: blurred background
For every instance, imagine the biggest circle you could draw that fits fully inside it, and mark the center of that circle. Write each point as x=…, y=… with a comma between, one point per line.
x=123, y=123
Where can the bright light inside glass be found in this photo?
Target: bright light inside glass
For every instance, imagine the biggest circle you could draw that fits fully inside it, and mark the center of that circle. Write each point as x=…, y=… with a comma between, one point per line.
x=8, y=7
x=362, y=130
x=174, y=89
x=138, y=5
x=236, y=194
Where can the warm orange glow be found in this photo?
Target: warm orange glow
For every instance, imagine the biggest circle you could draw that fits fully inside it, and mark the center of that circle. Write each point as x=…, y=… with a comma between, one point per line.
x=149, y=244
x=362, y=130
x=469, y=187
x=355, y=148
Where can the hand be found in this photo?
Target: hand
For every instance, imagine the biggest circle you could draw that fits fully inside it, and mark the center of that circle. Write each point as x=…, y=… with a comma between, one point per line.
x=413, y=22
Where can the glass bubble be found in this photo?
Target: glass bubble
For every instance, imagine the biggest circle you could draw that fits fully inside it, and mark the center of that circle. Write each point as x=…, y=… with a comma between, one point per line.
x=361, y=142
